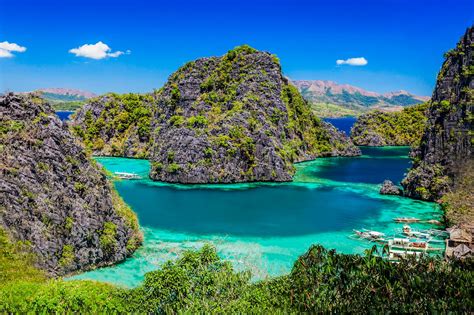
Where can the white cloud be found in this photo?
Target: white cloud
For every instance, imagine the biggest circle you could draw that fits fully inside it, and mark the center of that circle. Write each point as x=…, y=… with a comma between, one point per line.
x=96, y=51
x=7, y=48
x=359, y=61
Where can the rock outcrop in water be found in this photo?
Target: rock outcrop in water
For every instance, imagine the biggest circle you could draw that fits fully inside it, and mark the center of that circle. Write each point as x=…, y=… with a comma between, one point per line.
x=378, y=128
x=115, y=125
x=389, y=188
x=53, y=197
x=235, y=118
x=447, y=143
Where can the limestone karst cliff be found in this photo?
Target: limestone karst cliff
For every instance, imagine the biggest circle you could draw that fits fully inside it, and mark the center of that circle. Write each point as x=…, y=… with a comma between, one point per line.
x=446, y=147
x=53, y=197
x=235, y=118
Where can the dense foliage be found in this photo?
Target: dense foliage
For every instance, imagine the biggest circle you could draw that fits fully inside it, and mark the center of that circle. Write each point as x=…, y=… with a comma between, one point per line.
x=328, y=110
x=390, y=128
x=321, y=281
x=115, y=125
x=458, y=204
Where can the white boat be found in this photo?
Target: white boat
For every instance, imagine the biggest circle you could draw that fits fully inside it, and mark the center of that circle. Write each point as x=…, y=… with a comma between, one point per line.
x=427, y=235
x=408, y=231
x=395, y=255
x=407, y=245
x=406, y=220
x=124, y=175
x=369, y=235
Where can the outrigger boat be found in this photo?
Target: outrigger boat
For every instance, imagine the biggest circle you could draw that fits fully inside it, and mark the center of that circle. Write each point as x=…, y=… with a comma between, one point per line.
x=369, y=235
x=406, y=220
x=123, y=175
x=406, y=244
x=427, y=235
x=408, y=231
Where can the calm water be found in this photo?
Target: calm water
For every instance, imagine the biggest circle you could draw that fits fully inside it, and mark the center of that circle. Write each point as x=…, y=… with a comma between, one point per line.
x=64, y=115
x=344, y=123
x=260, y=226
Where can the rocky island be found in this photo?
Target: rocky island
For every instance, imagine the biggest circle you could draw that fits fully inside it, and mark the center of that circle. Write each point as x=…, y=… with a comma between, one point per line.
x=53, y=197
x=378, y=128
x=235, y=118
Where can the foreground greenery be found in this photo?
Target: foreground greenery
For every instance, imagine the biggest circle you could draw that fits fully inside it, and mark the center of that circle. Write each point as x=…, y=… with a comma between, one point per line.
x=393, y=128
x=321, y=281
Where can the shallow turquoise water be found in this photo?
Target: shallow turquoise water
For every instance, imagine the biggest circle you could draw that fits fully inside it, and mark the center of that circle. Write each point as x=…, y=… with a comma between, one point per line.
x=263, y=227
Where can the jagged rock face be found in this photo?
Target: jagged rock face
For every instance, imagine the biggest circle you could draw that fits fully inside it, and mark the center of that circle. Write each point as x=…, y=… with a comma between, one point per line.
x=389, y=188
x=448, y=138
x=115, y=125
x=235, y=119
x=53, y=197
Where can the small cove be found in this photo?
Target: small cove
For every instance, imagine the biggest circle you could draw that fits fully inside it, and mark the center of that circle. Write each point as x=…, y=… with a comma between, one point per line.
x=263, y=227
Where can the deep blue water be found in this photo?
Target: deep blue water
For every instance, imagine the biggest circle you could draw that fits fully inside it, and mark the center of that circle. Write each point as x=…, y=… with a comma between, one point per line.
x=343, y=123
x=289, y=210
x=263, y=227
x=375, y=165
x=64, y=115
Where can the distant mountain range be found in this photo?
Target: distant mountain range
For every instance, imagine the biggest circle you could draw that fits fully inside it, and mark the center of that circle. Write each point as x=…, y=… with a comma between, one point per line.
x=327, y=98
x=65, y=99
x=330, y=99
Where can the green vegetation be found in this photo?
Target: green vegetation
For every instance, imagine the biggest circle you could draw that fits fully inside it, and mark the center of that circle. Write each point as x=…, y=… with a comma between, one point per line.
x=64, y=102
x=67, y=256
x=12, y=126
x=122, y=117
x=396, y=128
x=301, y=121
x=107, y=237
x=130, y=219
x=67, y=106
x=199, y=282
x=458, y=204
x=333, y=110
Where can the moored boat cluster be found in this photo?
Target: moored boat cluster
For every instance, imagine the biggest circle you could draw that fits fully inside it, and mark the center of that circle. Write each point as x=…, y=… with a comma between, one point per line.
x=406, y=241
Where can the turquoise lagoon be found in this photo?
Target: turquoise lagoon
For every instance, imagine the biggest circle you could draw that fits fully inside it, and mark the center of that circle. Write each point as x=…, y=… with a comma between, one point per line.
x=263, y=227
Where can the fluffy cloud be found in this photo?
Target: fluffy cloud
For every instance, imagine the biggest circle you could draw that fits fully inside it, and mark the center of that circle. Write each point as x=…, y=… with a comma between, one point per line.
x=7, y=48
x=96, y=51
x=359, y=61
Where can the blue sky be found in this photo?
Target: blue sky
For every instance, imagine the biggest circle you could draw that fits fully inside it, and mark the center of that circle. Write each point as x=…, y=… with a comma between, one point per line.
x=403, y=41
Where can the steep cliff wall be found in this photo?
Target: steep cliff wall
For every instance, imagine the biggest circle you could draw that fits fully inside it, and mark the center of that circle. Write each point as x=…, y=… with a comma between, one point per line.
x=235, y=118
x=447, y=143
x=53, y=197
